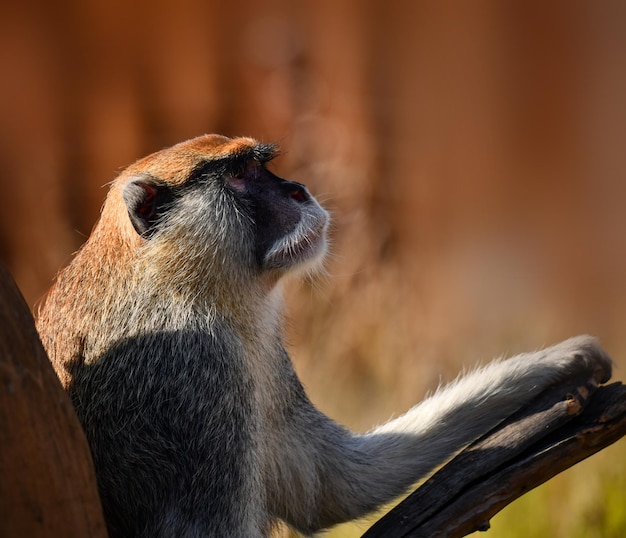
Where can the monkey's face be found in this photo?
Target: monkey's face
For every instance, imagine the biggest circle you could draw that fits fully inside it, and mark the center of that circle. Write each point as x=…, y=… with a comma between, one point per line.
x=211, y=205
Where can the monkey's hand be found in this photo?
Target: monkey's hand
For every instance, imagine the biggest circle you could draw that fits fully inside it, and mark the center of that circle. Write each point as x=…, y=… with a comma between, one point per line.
x=576, y=357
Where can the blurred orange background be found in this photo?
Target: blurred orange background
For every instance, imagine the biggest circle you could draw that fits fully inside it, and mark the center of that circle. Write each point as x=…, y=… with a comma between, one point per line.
x=471, y=154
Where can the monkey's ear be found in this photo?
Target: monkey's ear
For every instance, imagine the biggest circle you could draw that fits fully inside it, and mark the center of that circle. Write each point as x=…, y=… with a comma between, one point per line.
x=145, y=201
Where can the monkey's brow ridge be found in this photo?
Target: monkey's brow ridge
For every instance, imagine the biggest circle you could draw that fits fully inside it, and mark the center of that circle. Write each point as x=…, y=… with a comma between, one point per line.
x=234, y=162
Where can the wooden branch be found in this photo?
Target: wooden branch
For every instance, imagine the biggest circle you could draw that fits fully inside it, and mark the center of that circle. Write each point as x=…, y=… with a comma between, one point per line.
x=565, y=425
x=47, y=485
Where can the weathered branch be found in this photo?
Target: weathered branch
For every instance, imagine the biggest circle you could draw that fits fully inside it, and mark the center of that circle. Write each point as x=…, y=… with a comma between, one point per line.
x=565, y=425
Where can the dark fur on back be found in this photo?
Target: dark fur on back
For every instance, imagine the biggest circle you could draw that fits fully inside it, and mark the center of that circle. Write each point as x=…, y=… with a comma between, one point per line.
x=172, y=456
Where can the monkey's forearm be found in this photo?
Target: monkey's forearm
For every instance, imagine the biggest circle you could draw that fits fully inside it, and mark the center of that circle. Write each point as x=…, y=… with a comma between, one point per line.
x=359, y=473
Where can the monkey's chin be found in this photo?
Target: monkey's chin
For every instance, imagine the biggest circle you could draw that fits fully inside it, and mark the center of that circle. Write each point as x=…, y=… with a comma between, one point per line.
x=300, y=251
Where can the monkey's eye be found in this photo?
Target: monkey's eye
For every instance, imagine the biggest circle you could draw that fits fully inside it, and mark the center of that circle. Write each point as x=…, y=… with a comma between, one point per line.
x=248, y=171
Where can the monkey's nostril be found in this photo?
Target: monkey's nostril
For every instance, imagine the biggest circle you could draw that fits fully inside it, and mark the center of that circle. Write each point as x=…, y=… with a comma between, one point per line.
x=295, y=191
x=298, y=195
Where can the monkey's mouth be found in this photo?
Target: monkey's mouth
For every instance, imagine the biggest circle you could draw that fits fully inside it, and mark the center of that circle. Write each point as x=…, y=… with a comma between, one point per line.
x=306, y=245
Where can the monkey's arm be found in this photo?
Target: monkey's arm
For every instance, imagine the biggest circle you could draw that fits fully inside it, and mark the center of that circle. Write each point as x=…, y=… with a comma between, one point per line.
x=342, y=476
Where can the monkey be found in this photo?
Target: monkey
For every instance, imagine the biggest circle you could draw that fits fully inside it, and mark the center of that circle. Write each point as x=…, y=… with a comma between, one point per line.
x=166, y=332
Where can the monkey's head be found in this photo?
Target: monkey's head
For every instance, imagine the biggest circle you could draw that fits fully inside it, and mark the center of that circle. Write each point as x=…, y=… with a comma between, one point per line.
x=209, y=210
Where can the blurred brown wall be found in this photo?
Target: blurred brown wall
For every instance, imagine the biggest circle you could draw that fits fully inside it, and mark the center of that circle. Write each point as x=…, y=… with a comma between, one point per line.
x=471, y=153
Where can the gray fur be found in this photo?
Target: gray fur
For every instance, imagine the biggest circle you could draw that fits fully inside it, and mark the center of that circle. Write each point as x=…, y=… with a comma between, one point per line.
x=170, y=346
